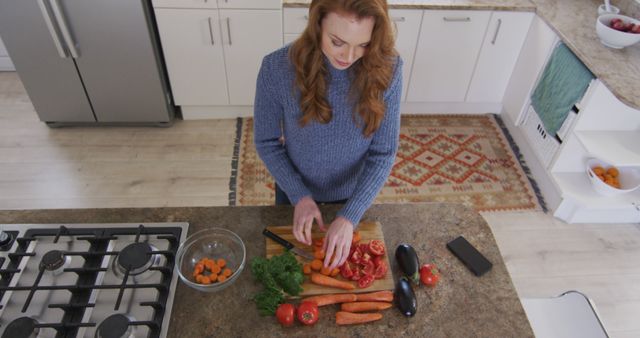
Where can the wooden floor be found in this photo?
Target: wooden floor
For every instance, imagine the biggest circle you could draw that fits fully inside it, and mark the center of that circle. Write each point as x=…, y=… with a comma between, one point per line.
x=189, y=165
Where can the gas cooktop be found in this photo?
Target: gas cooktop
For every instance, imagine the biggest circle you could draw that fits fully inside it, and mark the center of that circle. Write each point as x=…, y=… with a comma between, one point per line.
x=87, y=280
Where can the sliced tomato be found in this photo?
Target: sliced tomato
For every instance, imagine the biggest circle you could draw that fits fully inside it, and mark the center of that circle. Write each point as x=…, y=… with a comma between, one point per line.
x=368, y=268
x=381, y=270
x=366, y=257
x=365, y=281
x=363, y=247
x=357, y=274
x=376, y=247
x=378, y=260
x=346, y=271
x=356, y=256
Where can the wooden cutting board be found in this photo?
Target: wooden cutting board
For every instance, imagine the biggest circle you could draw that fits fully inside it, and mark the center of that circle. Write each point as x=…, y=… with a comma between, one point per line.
x=368, y=231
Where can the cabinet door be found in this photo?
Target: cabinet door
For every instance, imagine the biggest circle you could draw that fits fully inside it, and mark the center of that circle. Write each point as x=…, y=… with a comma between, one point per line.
x=407, y=26
x=248, y=35
x=250, y=4
x=185, y=4
x=446, y=55
x=500, y=49
x=192, y=47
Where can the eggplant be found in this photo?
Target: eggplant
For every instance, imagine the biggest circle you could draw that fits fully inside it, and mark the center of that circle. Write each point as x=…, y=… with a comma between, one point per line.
x=408, y=261
x=405, y=298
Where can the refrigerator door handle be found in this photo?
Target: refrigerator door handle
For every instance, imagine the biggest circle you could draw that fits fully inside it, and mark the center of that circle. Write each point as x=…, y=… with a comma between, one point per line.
x=52, y=30
x=64, y=28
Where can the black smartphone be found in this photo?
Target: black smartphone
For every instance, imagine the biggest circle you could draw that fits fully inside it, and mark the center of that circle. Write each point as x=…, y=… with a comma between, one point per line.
x=470, y=256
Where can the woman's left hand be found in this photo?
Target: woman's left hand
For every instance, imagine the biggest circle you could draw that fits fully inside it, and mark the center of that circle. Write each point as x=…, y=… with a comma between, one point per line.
x=337, y=242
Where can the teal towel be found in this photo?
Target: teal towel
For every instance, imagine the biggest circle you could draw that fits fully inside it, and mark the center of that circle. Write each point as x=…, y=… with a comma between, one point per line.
x=563, y=83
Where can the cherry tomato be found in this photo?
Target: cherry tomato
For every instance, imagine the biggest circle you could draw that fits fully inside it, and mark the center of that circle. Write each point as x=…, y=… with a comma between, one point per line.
x=286, y=314
x=376, y=247
x=308, y=313
x=366, y=281
x=381, y=270
x=429, y=275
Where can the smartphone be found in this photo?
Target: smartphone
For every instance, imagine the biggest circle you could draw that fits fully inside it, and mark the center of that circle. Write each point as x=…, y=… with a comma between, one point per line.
x=470, y=256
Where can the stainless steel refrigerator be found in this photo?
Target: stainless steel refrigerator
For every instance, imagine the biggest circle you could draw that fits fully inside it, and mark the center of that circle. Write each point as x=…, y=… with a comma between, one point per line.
x=88, y=61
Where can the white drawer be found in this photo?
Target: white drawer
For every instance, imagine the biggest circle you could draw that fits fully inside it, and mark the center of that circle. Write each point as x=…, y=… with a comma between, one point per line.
x=295, y=20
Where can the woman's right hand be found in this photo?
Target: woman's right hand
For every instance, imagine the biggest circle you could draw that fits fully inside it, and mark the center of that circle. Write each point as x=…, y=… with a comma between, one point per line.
x=305, y=212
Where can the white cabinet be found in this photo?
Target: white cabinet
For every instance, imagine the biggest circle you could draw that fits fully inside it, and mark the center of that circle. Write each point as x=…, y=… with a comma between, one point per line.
x=5, y=61
x=294, y=22
x=446, y=55
x=406, y=24
x=192, y=46
x=250, y=4
x=185, y=4
x=502, y=44
x=213, y=55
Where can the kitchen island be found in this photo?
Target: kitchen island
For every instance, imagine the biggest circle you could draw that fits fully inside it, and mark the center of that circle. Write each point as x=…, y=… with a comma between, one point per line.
x=461, y=305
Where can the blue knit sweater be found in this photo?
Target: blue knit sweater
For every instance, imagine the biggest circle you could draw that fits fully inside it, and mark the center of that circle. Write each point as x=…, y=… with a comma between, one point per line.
x=328, y=162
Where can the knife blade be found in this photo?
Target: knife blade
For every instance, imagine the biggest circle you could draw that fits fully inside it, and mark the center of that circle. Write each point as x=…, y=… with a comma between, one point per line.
x=287, y=245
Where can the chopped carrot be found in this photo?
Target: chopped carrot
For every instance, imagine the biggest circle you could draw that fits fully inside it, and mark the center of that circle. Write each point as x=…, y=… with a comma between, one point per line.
x=205, y=280
x=335, y=272
x=356, y=237
x=318, y=242
x=216, y=269
x=346, y=318
x=316, y=264
x=325, y=271
x=209, y=264
x=323, y=300
x=226, y=272
x=319, y=254
x=213, y=278
x=379, y=296
x=323, y=280
x=199, y=278
x=221, y=262
x=306, y=268
x=364, y=306
x=222, y=278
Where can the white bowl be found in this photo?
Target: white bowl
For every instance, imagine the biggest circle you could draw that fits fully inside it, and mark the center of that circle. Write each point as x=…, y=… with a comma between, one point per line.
x=629, y=178
x=615, y=38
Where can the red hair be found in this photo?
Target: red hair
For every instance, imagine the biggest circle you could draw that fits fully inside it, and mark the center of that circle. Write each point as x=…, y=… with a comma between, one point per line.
x=373, y=72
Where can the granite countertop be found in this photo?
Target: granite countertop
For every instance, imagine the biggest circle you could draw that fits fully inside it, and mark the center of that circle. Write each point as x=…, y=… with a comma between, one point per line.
x=462, y=305
x=574, y=21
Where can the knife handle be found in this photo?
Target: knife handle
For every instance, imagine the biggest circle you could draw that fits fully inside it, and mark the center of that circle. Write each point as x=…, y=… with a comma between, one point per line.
x=278, y=239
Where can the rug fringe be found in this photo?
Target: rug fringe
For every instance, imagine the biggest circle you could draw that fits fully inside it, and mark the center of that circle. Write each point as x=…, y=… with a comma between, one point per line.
x=523, y=164
x=233, y=180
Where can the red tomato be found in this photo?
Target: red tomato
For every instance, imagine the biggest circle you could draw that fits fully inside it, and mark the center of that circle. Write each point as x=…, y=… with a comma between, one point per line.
x=308, y=313
x=366, y=257
x=363, y=247
x=381, y=270
x=368, y=268
x=318, y=242
x=378, y=260
x=346, y=270
x=376, y=247
x=285, y=314
x=365, y=281
x=356, y=256
x=429, y=275
x=357, y=274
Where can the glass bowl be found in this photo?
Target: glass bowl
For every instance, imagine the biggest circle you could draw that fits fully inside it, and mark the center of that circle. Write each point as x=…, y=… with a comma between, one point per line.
x=212, y=243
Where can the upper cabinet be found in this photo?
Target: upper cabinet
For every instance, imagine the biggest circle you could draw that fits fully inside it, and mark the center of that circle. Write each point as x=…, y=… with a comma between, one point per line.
x=446, y=55
x=500, y=50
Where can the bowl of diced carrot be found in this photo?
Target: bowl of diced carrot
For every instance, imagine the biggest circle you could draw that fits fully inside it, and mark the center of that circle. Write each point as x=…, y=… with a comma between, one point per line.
x=609, y=180
x=211, y=259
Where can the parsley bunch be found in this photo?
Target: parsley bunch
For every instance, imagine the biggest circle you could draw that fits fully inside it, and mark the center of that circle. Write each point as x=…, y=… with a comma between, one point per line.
x=279, y=275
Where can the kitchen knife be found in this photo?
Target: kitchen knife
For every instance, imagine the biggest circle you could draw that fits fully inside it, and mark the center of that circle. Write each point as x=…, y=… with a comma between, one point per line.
x=288, y=245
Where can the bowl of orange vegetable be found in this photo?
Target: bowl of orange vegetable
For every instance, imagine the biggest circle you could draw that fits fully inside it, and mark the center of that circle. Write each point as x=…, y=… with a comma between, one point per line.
x=609, y=180
x=211, y=259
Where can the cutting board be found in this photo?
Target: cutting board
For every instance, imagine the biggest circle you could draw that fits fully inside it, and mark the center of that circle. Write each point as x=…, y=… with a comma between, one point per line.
x=368, y=231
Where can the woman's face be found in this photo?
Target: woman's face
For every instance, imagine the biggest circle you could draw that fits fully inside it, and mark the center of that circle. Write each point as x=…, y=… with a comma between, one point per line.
x=345, y=38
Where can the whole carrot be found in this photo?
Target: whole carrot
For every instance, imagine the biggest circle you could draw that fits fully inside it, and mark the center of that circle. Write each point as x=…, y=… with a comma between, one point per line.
x=380, y=296
x=331, y=299
x=364, y=306
x=347, y=318
x=323, y=280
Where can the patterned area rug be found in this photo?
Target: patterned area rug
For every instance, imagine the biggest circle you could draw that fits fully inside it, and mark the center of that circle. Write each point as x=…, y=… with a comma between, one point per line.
x=468, y=159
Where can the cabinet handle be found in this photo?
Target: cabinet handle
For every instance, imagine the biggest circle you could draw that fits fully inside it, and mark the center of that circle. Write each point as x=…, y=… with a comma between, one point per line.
x=495, y=35
x=456, y=19
x=211, y=31
x=54, y=35
x=66, y=33
x=399, y=19
x=229, y=30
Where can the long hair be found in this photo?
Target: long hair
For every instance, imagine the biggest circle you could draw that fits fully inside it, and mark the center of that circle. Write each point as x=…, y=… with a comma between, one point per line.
x=372, y=72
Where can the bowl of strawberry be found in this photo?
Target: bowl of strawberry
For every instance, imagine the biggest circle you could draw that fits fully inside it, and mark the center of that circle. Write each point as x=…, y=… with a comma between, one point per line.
x=617, y=31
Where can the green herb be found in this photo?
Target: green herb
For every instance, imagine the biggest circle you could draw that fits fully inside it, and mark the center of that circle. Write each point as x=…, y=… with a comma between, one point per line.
x=279, y=275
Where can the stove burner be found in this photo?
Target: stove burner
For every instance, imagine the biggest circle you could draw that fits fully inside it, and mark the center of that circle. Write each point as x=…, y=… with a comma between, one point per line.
x=23, y=327
x=115, y=326
x=136, y=257
x=53, y=260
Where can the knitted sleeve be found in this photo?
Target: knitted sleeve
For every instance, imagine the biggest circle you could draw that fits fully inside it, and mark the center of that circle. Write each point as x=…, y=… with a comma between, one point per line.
x=267, y=116
x=381, y=153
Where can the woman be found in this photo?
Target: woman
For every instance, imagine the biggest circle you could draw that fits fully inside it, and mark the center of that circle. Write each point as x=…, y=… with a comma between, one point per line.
x=326, y=118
